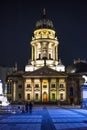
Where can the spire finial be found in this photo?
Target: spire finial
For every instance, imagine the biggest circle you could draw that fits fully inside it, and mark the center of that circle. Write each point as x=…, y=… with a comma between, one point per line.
x=44, y=13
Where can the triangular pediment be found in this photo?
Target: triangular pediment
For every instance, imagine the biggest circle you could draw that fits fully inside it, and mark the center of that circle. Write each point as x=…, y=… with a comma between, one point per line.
x=44, y=72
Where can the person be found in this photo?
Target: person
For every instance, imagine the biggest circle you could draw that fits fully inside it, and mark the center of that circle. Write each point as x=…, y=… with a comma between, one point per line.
x=30, y=107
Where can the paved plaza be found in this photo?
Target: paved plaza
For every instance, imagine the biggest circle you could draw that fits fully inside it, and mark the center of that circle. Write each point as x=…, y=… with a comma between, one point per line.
x=45, y=118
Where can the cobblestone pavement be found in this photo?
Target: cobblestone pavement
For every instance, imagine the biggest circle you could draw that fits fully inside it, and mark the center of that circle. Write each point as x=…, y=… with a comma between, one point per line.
x=46, y=119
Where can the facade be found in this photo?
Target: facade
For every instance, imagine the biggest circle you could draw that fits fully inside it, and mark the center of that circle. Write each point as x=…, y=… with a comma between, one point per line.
x=45, y=79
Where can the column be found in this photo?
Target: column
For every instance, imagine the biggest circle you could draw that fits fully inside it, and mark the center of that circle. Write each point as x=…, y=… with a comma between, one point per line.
x=35, y=52
x=41, y=90
x=53, y=51
x=49, y=90
x=24, y=89
x=32, y=53
x=32, y=90
x=56, y=53
x=57, y=89
x=14, y=91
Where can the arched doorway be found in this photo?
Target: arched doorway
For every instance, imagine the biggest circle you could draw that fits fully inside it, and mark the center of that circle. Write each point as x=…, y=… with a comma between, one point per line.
x=44, y=97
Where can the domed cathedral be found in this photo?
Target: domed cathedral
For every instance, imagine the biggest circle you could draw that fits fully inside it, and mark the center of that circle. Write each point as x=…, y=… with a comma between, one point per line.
x=45, y=79
x=44, y=46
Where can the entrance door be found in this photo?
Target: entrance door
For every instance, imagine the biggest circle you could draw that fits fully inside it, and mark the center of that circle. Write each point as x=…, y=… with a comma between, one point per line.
x=44, y=97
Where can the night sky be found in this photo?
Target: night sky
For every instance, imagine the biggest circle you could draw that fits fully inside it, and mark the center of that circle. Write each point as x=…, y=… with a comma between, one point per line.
x=17, y=23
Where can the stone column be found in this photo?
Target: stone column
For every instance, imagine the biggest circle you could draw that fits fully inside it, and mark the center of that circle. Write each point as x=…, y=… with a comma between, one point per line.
x=33, y=89
x=56, y=53
x=32, y=53
x=57, y=89
x=24, y=89
x=35, y=53
x=41, y=90
x=49, y=90
x=53, y=51
x=14, y=91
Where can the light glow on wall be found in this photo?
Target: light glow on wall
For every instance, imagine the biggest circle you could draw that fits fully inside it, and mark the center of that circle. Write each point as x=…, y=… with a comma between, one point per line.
x=1, y=90
x=84, y=94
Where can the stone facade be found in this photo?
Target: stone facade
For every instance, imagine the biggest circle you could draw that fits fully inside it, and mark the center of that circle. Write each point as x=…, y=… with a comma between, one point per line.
x=45, y=78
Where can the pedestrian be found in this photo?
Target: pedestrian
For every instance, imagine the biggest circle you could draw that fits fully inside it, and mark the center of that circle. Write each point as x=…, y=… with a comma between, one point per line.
x=30, y=107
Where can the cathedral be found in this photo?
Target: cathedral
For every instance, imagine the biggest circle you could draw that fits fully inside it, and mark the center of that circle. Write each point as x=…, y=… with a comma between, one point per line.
x=46, y=79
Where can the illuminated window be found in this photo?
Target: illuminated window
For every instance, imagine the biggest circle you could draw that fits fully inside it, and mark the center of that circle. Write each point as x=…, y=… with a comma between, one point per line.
x=53, y=86
x=28, y=85
x=53, y=96
x=36, y=96
x=61, y=85
x=28, y=96
x=19, y=95
x=61, y=96
x=36, y=85
x=71, y=91
x=44, y=86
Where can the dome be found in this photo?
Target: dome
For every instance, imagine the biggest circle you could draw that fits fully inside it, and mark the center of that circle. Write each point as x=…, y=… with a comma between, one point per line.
x=44, y=22
x=77, y=67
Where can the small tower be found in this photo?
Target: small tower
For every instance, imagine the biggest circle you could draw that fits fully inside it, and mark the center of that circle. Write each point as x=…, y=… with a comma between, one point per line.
x=44, y=45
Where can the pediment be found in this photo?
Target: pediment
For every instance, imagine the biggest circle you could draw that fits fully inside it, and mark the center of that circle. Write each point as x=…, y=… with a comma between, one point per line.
x=44, y=71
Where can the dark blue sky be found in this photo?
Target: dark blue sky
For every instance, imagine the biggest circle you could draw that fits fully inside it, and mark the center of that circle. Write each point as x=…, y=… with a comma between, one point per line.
x=18, y=19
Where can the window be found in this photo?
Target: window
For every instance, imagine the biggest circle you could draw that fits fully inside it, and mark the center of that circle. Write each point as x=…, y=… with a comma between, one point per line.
x=49, y=56
x=28, y=85
x=61, y=96
x=20, y=86
x=9, y=88
x=44, y=86
x=28, y=96
x=36, y=85
x=71, y=91
x=61, y=85
x=39, y=56
x=36, y=96
x=53, y=86
x=19, y=95
x=53, y=96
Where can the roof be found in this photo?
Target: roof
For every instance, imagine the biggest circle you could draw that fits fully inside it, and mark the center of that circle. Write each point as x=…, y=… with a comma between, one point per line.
x=44, y=22
x=45, y=72
x=77, y=68
x=16, y=74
